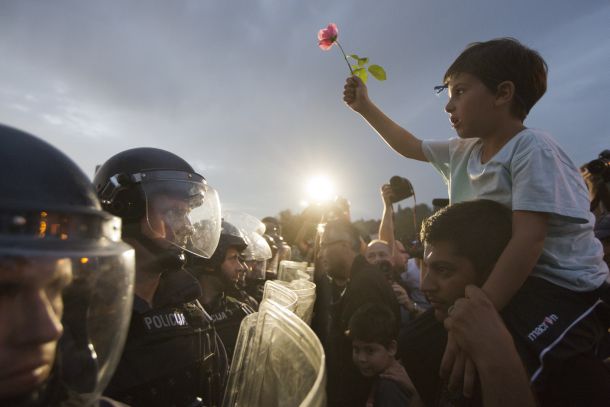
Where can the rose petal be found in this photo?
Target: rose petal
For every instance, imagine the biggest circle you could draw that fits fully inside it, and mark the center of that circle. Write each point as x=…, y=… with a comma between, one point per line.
x=326, y=44
x=321, y=34
x=333, y=30
x=329, y=32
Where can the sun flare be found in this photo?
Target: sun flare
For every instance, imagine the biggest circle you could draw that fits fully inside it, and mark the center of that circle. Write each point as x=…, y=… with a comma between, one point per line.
x=320, y=189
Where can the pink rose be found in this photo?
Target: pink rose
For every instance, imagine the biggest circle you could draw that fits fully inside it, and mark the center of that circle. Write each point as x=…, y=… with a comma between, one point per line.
x=327, y=36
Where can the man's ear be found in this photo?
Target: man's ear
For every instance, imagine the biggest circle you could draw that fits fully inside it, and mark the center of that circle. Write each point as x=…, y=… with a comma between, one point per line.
x=505, y=93
x=393, y=348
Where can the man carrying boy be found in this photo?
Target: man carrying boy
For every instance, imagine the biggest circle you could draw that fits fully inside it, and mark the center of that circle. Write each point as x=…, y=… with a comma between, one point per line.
x=492, y=87
x=462, y=244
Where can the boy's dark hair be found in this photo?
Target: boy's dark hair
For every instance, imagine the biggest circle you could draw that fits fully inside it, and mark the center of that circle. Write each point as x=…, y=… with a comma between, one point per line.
x=373, y=323
x=505, y=59
x=478, y=230
x=346, y=229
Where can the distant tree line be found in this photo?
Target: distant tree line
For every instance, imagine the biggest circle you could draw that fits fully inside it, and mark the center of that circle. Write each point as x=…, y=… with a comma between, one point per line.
x=403, y=223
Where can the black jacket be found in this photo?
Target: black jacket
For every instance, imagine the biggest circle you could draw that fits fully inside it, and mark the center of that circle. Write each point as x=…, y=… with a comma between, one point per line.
x=161, y=363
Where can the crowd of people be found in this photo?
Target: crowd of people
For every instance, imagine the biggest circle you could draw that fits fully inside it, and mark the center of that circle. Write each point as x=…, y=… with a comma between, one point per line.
x=129, y=289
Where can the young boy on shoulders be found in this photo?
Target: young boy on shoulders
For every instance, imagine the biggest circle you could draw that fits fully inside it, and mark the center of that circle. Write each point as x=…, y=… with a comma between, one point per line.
x=374, y=335
x=492, y=86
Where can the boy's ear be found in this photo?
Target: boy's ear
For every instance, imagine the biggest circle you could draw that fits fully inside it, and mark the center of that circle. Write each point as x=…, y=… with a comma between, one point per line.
x=505, y=93
x=393, y=347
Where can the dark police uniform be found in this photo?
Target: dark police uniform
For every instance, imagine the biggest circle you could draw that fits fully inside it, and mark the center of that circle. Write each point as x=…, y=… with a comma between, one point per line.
x=172, y=356
x=227, y=313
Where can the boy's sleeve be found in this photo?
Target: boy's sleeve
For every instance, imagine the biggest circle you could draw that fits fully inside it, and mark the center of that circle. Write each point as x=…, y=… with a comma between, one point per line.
x=437, y=153
x=545, y=180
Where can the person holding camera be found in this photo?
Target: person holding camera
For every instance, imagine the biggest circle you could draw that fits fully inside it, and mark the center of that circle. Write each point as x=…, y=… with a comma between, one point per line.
x=390, y=193
x=597, y=177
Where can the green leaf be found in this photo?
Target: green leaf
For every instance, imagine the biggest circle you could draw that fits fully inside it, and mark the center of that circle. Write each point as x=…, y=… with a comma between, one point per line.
x=378, y=72
x=354, y=56
x=361, y=73
x=363, y=61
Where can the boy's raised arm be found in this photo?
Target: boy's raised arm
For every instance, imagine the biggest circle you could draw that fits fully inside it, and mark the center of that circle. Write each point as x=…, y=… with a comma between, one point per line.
x=356, y=96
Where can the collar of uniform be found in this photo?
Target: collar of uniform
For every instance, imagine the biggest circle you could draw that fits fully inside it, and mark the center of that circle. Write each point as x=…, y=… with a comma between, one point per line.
x=176, y=287
x=140, y=305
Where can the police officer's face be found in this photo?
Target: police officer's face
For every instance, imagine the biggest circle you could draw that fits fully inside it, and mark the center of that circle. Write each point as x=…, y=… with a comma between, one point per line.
x=169, y=219
x=31, y=308
x=233, y=265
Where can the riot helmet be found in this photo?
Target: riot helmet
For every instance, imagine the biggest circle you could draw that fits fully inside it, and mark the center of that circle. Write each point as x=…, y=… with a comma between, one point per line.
x=67, y=279
x=230, y=237
x=274, y=230
x=162, y=199
x=258, y=250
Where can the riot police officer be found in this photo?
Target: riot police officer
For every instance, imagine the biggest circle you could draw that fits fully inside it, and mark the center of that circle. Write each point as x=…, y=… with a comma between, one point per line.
x=255, y=255
x=172, y=356
x=218, y=277
x=274, y=230
x=66, y=279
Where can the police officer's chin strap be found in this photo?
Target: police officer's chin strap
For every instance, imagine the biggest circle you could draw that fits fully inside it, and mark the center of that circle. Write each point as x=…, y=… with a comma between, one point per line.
x=168, y=259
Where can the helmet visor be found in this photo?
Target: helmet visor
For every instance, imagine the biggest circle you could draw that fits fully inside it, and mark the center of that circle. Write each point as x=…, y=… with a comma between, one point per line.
x=256, y=269
x=185, y=214
x=252, y=230
x=258, y=248
x=71, y=309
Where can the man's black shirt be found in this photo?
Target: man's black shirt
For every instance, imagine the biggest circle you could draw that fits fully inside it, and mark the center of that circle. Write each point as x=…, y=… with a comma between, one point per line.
x=420, y=349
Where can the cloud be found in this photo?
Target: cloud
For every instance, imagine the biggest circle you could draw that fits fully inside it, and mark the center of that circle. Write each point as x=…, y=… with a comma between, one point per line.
x=240, y=89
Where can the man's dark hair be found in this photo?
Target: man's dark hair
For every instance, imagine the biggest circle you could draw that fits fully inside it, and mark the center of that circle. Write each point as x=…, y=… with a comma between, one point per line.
x=373, y=323
x=477, y=230
x=344, y=228
x=505, y=59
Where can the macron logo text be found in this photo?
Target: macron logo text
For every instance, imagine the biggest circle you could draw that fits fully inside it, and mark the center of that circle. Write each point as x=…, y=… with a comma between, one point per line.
x=540, y=329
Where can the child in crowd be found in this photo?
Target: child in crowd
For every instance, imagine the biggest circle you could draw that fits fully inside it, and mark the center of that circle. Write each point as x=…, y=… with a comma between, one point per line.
x=547, y=280
x=374, y=335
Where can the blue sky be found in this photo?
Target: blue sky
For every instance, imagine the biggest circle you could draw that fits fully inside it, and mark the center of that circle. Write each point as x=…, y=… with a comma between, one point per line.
x=241, y=91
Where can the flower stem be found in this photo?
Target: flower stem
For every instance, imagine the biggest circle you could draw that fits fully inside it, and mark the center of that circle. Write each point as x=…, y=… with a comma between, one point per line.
x=345, y=56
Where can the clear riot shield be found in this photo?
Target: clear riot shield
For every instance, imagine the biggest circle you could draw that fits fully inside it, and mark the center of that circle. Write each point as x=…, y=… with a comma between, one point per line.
x=306, y=293
x=292, y=270
x=280, y=294
x=237, y=380
x=284, y=363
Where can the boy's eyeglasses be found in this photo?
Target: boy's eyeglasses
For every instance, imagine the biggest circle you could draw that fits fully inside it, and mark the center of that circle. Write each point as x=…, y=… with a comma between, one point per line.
x=440, y=88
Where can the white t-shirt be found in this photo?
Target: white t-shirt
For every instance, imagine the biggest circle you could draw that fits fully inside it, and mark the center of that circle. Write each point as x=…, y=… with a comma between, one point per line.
x=530, y=173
